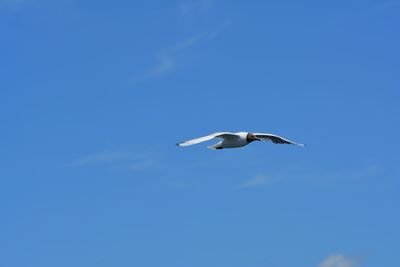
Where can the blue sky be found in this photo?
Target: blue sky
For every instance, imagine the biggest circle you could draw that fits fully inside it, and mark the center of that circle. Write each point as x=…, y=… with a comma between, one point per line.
x=95, y=94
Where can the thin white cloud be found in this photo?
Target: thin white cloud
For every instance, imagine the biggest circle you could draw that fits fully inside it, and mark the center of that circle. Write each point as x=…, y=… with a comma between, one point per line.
x=198, y=38
x=106, y=157
x=261, y=180
x=166, y=65
x=257, y=181
x=118, y=160
x=138, y=165
x=383, y=6
x=193, y=7
x=338, y=260
x=360, y=173
x=189, y=42
x=14, y=4
x=168, y=61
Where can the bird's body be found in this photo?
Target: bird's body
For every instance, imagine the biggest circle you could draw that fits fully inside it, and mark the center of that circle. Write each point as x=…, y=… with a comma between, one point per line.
x=231, y=141
x=239, y=139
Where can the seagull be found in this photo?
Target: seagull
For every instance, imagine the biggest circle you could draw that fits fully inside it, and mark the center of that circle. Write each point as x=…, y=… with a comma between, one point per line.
x=239, y=139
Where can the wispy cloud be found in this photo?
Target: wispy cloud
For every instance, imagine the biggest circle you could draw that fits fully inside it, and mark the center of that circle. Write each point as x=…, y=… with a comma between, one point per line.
x=339, y=260
x=14, y=4
x=118, y=160
x=383, y=6
x=254, y=182
x=193, y=7
x=105, y=157
x=359, y=173
x=260, y=180
x=168, y=61
x=189, y=42
x=165, y=65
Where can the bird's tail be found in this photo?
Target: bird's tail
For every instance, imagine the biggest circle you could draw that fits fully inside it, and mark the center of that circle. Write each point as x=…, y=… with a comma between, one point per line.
x=215, y=146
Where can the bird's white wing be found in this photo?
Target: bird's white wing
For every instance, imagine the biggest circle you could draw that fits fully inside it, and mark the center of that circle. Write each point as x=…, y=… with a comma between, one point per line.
x=275, y=139
x=207, y=138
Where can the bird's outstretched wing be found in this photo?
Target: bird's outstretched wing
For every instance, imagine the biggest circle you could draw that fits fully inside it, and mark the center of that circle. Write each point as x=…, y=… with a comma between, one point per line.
x=275, y=139
x=224, y=135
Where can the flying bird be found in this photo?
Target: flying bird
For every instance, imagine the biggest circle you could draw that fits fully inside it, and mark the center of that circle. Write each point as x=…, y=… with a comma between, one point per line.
x=239, y=139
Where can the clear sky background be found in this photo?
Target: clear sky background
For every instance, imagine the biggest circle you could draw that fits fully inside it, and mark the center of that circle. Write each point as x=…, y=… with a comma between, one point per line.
x=94, y=96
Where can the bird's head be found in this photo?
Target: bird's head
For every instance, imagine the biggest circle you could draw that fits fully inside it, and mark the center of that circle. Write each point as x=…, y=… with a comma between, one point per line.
x=251, y=137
